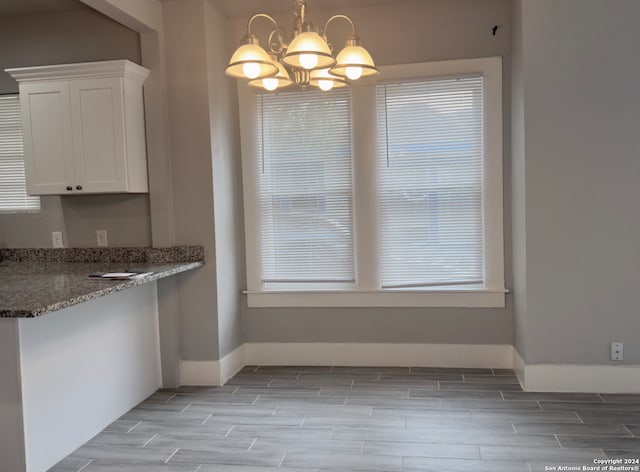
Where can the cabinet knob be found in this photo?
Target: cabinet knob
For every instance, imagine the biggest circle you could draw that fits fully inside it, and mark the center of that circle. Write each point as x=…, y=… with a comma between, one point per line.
x=69, y=188
x=79, y=187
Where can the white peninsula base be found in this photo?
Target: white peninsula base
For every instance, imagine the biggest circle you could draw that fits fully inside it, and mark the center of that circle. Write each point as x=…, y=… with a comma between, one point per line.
x=68, y=374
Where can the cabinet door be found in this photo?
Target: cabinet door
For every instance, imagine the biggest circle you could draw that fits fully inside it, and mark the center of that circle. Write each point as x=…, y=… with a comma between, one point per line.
x=48, y=148
x=98, y=134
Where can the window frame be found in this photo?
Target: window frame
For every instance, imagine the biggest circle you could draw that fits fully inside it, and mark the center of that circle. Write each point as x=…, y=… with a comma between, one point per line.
x=368, y=292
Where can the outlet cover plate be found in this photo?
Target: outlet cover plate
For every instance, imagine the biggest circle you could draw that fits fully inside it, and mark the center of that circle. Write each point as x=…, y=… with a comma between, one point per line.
x=617, y=353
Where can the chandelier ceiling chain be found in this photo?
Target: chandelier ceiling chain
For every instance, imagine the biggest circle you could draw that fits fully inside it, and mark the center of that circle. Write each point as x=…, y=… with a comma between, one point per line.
x=306, y=60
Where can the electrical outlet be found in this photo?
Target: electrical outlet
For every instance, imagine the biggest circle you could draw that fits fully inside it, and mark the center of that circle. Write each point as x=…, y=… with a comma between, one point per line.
x=617, y=351
x=101, y=236
x=56, y=237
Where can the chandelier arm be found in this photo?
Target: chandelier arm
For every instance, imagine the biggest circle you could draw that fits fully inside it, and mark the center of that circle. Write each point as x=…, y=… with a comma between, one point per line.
x=261, y=15
x=303, y=9
x=276, y=47
x=335, y=17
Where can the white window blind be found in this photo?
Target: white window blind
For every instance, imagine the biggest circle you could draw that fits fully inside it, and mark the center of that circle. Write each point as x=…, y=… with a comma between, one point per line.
x=13, y=192
x=305, y=188
x=431, y=182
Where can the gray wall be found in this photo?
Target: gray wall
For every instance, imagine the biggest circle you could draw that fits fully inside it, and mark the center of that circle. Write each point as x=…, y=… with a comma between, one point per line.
x=192, y=172
x=518, y=184
x=76, y=36
x=580, y=141
x=403, y=33
x=227, y=183
x=206, y=176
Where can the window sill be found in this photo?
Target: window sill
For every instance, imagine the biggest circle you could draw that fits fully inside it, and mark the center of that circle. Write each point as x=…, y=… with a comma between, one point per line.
x=479, y=298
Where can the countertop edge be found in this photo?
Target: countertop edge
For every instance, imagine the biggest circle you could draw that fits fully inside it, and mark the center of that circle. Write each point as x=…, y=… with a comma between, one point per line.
x=100, y=292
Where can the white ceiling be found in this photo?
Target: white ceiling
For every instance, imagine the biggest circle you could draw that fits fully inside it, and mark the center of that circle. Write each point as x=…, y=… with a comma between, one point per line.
x=244, y=8
x=29, y=7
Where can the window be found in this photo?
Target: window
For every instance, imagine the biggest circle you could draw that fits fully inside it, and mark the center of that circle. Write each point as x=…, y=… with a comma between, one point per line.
x=430, y=182
x=13, y=192
x=305, y=197
x=387, y=194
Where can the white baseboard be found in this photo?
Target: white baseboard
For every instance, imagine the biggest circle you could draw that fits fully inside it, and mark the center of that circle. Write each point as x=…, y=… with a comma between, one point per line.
x=232, y=363
x=533, y=377
x=212, y=373
x=519, y=367
x=582, y=378
x=374, y=354
x=577, y=377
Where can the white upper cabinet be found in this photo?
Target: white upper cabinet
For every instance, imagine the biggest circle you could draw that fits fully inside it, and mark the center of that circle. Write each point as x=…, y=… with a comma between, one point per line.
x=83, y=127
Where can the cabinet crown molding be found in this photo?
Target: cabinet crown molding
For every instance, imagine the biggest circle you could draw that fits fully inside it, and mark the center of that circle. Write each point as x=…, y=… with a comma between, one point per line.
x=94, y=70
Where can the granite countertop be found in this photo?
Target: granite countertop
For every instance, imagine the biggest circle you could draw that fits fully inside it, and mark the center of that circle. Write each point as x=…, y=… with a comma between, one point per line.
x=32, y=285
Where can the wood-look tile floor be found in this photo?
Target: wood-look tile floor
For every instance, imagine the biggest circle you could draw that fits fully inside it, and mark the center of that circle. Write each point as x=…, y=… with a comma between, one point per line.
x=315, y=419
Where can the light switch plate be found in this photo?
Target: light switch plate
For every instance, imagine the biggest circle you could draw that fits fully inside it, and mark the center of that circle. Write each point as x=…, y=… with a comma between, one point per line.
x=101, y=236
x=56, y=238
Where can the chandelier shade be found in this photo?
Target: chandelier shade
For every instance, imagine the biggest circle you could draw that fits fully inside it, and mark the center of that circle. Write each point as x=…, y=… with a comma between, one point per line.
x=276, y=82
x=326, y=81
x=308, y=51
x=354, y=61
x=305, y=60
x=250, y=61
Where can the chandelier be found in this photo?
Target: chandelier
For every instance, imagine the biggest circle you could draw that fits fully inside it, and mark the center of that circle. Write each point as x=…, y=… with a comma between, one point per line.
x=307, y=59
